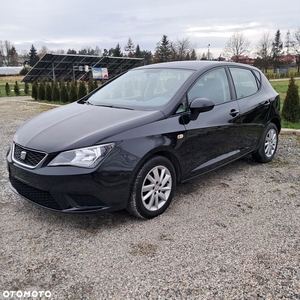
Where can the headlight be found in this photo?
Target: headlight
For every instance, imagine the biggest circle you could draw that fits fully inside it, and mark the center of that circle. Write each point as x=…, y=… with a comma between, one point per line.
x=85, y=157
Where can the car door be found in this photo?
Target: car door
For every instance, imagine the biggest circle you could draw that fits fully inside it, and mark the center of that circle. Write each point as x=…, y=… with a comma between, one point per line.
x=213, y=138
x=254, y=105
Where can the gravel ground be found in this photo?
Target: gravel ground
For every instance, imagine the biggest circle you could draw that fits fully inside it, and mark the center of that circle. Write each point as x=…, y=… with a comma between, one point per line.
x=232, y=234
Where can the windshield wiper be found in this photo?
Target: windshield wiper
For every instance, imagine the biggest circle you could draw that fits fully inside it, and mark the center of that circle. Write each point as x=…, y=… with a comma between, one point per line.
x=113, y=106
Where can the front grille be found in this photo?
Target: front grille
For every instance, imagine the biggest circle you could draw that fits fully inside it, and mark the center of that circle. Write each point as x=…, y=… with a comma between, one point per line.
x=35, y=195
x=27, y=157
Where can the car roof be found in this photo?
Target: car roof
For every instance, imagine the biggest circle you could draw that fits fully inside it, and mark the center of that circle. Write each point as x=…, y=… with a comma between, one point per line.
x=193, y=64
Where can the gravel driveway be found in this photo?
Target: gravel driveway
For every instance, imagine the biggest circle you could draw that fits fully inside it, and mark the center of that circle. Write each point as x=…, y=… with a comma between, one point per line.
x=232, y=234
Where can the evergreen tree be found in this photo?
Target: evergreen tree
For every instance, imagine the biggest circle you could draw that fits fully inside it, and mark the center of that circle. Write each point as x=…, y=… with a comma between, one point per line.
x=138, y=53
x=48, y=92
x=291, y=105
x=33, y=57
x=41, y=91
x=82, y=89
x=64, y=96
x=277, y=52
x=26, y=89
x=73, y=92
x=17, y=89
x=117, y=51
x=34, y=90
x=91, y=86
x=55, y=91
x=163, y=50
x=7, y=89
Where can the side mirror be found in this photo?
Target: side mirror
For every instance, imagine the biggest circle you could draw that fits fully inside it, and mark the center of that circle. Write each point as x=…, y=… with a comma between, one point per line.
x=200, y=105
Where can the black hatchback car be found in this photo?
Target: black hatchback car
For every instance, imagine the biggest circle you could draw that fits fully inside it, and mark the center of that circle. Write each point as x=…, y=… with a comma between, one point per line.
x=129, y=143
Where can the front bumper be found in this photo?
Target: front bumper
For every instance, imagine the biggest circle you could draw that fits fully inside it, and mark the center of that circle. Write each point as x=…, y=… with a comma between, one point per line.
x=71, y=189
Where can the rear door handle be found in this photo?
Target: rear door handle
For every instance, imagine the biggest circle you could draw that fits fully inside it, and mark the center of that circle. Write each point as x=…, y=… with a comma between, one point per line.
x=234, y=112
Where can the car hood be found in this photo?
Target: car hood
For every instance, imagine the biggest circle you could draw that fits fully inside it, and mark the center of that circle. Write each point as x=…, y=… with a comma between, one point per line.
x=79, y=125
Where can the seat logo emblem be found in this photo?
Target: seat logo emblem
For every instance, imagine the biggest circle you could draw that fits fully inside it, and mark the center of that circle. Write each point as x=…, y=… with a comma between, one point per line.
x=23, y=155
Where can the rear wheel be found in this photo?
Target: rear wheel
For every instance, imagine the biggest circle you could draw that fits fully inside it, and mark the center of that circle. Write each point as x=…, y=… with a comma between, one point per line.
x=267, y=145
x=153, y=188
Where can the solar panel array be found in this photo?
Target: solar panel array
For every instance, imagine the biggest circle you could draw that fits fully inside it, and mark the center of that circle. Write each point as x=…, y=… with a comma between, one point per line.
x=75, y=67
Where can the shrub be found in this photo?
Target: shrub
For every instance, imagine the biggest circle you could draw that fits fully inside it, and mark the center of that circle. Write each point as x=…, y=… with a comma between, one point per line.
x=73, y=92
x=7, y=89
x=55, y=91
x=41, y=91
x=291, y=105
x=82, y=89
x=17, y=89
x=26, y=89
x=34, y=90
x=64, y=96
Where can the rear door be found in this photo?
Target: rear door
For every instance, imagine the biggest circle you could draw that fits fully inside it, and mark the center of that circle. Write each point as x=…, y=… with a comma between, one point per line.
x=254, y=105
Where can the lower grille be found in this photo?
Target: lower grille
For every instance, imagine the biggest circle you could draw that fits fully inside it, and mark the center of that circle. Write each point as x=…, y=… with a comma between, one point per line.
x=35, y=195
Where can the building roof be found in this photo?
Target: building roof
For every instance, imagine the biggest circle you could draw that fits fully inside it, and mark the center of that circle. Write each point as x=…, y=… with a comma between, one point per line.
x=75, y=67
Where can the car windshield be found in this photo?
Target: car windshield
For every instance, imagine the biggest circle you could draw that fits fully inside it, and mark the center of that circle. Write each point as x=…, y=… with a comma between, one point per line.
x=143, y=89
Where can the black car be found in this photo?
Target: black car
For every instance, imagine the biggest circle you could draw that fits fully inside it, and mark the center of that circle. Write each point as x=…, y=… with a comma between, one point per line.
x=128, y=144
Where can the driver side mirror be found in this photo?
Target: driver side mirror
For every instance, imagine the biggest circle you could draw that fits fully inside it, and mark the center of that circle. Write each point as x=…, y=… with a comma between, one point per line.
x=200, y=105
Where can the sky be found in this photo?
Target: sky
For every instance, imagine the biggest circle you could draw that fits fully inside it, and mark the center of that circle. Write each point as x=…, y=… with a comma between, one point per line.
x=73, y=24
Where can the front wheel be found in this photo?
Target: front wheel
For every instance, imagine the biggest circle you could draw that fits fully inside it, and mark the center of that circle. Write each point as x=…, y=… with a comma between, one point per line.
x=153, y=188
x=267, y=145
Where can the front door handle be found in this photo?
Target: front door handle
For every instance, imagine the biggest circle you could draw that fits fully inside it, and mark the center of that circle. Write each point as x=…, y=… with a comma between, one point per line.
x=234, y=112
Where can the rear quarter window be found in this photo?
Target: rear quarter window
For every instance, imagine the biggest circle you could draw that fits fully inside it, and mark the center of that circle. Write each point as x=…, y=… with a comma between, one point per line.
x=245, y=82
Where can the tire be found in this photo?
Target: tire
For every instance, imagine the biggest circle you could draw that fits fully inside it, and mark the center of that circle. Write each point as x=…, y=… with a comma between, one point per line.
x=153, y=188
x=267, y=145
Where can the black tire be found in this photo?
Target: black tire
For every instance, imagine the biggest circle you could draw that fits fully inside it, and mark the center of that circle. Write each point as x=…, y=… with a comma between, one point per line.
x=267, y=145
x=153, y=188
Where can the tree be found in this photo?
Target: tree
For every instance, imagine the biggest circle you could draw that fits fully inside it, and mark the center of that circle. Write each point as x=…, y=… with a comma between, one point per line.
x=291, y=105
x=182, y=49
x=237, y=46
x=55, y=91
x=264, y=51
x=41, y=91
x=26, y=89
x=64, y=96
x=34, y=90
x=7, y=89
x=129, y=48
x=48, y=92
x=82, y=89
x=277, y=52
x=73, y=92
x=17, y=89
x=117, y=51
x=33, y=57
x=8, y=54
x=43, y=51
x=296, y=47
x=163, y=50
x=91, y=85
x=138, y=53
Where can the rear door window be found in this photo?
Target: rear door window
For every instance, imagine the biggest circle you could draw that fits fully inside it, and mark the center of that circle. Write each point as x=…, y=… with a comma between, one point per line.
x=245, y=82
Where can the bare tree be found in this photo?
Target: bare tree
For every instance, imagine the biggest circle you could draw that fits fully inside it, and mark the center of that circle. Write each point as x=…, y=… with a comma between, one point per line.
x=264, y=51
x=129, y=48
x=296, y=47
x=237, y=46
x=6, y=50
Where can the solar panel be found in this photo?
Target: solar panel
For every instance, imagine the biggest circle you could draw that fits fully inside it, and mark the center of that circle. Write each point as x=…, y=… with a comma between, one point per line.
x=75, y=67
